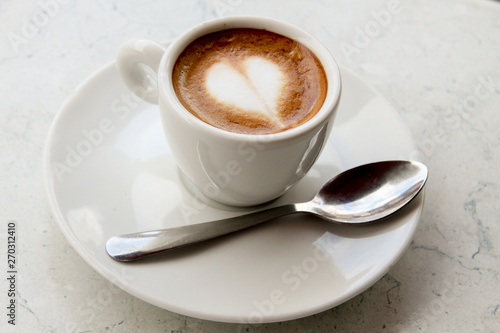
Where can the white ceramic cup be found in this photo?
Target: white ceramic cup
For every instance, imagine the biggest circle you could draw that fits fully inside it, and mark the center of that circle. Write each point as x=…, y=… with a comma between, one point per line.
x=231, y=168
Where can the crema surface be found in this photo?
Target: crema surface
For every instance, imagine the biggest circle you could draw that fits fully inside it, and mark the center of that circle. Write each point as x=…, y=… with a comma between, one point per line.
x=249, y=81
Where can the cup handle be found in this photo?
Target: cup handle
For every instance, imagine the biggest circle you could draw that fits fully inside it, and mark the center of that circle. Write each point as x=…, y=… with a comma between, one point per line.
x=137, y=61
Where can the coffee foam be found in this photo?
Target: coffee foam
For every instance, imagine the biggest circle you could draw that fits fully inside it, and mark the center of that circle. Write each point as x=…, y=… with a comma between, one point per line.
x=252, y=85
x=249, y=81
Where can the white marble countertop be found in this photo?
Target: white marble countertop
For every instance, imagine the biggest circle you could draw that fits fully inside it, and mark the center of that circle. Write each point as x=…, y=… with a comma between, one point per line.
x=436, y=62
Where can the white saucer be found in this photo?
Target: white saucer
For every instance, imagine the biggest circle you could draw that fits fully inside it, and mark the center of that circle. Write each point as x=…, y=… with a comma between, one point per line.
x=108, y=171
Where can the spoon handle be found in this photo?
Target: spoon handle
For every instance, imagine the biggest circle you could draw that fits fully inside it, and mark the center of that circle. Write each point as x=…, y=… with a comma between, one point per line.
x=135, y=246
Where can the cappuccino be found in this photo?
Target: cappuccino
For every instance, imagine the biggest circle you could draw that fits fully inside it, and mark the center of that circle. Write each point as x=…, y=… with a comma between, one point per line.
x=249, y=81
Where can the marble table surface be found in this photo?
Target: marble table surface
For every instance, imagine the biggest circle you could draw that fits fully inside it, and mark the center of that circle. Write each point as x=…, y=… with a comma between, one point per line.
x=436, y=62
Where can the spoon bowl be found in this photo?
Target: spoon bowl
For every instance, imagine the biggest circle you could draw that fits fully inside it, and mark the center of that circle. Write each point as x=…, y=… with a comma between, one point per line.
x=364, y=194
x=369, y=192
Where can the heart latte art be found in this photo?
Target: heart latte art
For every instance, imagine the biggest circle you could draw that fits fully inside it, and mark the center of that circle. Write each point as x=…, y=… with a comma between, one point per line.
x=253, y=86
x=249, y=81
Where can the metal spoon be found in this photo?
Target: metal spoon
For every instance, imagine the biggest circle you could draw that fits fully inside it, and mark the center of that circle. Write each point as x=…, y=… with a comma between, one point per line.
x=366, y=193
